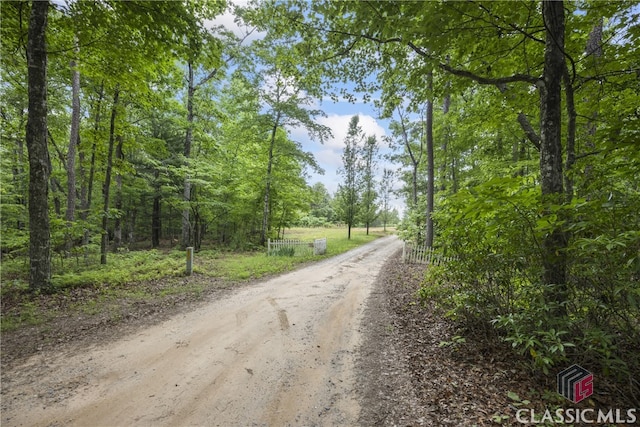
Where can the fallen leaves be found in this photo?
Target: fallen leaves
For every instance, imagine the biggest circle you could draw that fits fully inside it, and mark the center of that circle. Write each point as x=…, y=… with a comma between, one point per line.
x=409, y=379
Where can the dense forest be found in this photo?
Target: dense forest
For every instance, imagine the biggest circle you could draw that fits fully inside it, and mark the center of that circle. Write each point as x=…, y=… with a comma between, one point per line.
x=515, y=129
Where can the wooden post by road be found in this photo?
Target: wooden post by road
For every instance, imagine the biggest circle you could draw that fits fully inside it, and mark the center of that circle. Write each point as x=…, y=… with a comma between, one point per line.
x=189, y=260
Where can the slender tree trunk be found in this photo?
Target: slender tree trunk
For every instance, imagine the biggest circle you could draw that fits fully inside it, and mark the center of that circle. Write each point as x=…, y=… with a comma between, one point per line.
x=196, y=221
x=156, y=218
x=430, y=164
x=267, y=190
x=571, y=134
x=454, y=176
x=551, y=176
x=415, y=164
x=104, y=242
x=39, y=228
x=74, y=141
x=156, y=223
x=282, y=219
x=117, y=223
x=594, y=51
x=186, y=223
x=55, y=194
x=415, y=160
x=87, y=182
x=96, y=138
x=19, y=179
x=446, y=104
x=442, y=173
x=197, y=237
x=133, y=215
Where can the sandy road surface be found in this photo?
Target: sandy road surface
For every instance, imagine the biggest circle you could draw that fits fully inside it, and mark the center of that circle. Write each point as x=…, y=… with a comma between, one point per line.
x=278, y=353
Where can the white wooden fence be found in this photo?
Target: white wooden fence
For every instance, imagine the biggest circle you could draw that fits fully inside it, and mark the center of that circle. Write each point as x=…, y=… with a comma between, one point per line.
x=296, y=247
x=422, y=254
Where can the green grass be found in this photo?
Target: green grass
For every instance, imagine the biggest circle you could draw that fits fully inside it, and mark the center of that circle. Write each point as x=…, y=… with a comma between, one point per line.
x=124, y=276
x=257, y=264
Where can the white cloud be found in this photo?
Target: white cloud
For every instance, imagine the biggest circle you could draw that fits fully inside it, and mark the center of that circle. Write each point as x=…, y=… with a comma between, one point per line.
x=329, y=159
x=339, y=125
x=231, y=22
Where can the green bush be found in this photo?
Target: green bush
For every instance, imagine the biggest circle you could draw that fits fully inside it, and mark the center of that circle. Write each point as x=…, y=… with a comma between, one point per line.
x=495, y=232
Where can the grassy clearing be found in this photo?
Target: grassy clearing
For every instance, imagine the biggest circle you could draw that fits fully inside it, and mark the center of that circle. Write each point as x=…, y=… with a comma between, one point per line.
x=126, y=277
x=231, y=266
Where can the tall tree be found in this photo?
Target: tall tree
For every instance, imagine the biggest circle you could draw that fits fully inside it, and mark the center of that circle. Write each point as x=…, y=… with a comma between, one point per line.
x=106, y=187
x=408, y=142
x=74, y=142
x=205, y=55
x=348, y=195
x=369, y=211
x=282, y=90
x=39, y=164
x=430, y=162
x=412, y=141
x=386, y=188
x=192, y=87
x=555, y=243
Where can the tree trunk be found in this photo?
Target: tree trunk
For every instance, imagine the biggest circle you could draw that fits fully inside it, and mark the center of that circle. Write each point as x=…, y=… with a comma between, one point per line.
x=36, y=136
x=430, y=163
x=197, y=229
x=156, y=219
x=442, y=173
x=186, y=224
x=571, y=134
x=454, y=176
x=446, y=104
x=19, y=179
x=156, y=224
x=267, y=190
x=74, y=141
x=415, y=160
x=107, y=180
x=87, y=184
x=551, y=177
x=415, y=164
x=594, y=51
x=117, y=223
x=55, y=194
x=133, y=215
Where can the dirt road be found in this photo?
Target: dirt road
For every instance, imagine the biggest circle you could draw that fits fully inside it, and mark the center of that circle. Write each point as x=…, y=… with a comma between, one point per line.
x=278, y=353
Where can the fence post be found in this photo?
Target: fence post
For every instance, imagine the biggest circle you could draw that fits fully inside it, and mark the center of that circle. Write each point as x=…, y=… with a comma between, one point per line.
x=268, y=247
x=189, y=260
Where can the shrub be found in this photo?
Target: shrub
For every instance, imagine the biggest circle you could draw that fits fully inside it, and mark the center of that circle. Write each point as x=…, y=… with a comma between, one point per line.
x=494, y=232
